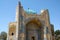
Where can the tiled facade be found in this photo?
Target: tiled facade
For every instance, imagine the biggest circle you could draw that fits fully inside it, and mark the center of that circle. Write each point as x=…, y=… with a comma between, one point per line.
x=30, y=26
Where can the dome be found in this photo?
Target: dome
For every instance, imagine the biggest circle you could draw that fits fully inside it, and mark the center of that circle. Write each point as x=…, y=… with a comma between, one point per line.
x=29, y=11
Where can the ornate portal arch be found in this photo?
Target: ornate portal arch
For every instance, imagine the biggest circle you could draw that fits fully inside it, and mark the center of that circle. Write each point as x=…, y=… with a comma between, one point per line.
x=34, y=29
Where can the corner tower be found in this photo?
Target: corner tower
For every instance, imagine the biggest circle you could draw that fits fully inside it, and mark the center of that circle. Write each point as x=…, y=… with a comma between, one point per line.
x=16, y=29
x=20, y=22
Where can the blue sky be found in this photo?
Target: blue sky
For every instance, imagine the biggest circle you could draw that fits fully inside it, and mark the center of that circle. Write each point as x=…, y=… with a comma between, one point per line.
x=8, y=11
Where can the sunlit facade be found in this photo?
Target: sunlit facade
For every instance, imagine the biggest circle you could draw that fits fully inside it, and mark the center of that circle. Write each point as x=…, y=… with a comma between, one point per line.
x=30, y=26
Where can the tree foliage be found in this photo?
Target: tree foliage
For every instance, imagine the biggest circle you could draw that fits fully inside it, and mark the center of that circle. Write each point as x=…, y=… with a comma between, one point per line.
x=3, y=35
x=57, y=34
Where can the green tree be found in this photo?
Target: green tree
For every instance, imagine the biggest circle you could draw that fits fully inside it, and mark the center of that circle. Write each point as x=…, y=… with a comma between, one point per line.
x=0, y=36
x=4, y=35
x=57, y=34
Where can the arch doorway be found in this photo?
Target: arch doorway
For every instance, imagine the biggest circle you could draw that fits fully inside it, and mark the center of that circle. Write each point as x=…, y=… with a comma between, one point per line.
x=33, y=30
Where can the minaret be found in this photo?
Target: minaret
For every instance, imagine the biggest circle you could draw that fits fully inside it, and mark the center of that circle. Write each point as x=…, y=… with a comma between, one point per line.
x=19, y=20
x=19, y=7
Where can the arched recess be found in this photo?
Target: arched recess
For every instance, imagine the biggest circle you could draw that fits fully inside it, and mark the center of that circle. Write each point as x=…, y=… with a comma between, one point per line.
x=34, y=29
